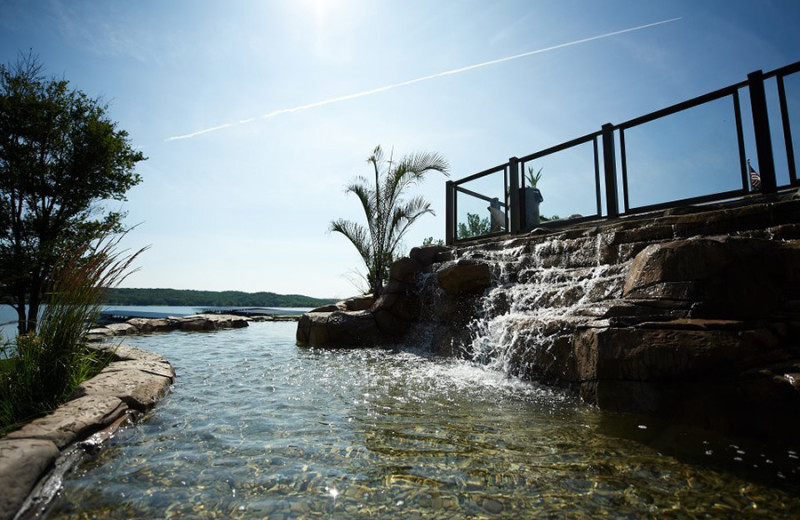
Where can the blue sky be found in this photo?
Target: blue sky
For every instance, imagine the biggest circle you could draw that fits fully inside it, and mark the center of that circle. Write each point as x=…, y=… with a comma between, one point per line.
x=247, y=206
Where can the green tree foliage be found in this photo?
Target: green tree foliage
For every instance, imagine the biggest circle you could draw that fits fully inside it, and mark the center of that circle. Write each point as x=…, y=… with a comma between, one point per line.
x=474, y=227
x=430, y=241
x=388, y=215
x=60, y=158
x=41, y=369
x=187, y=298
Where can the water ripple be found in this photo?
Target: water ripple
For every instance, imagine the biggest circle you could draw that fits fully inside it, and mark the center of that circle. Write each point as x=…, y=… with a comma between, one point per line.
x=258, y=428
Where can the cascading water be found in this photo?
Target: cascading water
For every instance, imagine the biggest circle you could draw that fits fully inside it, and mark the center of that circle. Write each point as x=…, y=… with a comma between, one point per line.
x=540, y=292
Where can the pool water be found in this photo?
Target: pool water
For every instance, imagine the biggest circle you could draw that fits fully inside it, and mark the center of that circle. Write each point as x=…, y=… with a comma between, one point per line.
x=259, y=428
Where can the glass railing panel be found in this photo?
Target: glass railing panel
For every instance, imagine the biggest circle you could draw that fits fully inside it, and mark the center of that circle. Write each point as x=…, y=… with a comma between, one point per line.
x=692, y=153
x=566, y=185
x=481, y=206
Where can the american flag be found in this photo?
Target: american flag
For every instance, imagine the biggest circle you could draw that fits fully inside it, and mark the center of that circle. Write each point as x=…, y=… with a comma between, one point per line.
x=755, y=178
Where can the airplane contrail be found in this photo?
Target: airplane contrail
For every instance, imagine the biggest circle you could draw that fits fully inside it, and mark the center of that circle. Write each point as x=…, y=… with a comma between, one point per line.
x=378, y=90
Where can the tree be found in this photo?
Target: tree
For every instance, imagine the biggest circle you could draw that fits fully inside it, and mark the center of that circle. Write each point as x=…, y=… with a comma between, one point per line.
x=474, y=227
x=61, y=157
x=388, y=215
x=430, y=241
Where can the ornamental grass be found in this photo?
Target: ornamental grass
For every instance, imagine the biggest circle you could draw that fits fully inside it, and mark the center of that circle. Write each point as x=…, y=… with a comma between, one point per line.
x=39, y=371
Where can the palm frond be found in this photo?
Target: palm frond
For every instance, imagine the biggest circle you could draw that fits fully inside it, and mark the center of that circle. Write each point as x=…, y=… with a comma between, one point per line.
x=388, y=216
x=406, y=214
x=412, y=169
x=366, y=195
x=377, y=156
x=356, y=234
x=421, y=163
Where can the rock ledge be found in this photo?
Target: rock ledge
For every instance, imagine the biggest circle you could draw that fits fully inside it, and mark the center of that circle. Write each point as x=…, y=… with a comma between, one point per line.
x=195, y=322
x=132, y=383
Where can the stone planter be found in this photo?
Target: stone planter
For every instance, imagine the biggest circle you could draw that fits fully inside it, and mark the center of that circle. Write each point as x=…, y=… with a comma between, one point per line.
x=531, y=198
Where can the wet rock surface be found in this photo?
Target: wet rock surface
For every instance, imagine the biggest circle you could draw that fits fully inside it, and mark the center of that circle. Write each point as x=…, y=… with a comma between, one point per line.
x=133, y=381
x=338, y=329
x=693, y=315
x=22, y=462
x=464, y=277
x=73, y=421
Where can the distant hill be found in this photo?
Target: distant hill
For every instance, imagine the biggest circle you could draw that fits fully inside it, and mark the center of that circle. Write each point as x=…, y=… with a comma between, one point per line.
x=190, y=298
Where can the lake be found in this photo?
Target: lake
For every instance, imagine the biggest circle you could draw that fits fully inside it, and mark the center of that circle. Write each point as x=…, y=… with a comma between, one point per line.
x=256, y=427
x=8, y=316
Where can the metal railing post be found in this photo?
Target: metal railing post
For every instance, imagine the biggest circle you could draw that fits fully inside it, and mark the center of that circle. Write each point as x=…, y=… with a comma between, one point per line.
x=758, y=103
x=787, y=132
x=513, y=196
x=610, y=170
x=449, y=213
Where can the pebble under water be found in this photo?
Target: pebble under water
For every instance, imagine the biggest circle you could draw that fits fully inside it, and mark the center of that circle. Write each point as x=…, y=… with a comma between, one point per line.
x=259, y=428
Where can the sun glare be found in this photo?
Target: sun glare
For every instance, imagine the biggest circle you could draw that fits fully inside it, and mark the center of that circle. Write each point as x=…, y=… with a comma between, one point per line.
x=324, y=9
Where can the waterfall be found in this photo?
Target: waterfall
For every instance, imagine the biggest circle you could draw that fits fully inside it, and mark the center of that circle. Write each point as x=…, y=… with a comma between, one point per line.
x=540, y=294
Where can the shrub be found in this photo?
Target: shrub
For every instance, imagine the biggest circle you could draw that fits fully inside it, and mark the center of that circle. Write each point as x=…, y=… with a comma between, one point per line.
x=41, y=370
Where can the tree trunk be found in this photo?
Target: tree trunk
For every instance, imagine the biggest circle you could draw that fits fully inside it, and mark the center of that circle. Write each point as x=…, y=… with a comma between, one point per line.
x=21, y=317
x=33, y=314
x=34, y=303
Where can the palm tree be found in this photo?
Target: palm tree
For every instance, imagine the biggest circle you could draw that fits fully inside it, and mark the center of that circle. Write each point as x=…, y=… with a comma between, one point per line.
x=388, y=215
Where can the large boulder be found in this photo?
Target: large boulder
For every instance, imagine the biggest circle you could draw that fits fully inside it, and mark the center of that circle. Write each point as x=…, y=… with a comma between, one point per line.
x=366, y=321
x=125, y=352
x=209, y=322
x=428, y=255
x=404, y=276
x=395, y=312
x=163, y=369
x=337, y=329
x=722, y=278
x=725, y=374
x=356, y=303
x=671, y=351
x=464, y=277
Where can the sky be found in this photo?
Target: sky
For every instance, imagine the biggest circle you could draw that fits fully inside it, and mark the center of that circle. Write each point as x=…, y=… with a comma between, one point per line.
x=254, y=115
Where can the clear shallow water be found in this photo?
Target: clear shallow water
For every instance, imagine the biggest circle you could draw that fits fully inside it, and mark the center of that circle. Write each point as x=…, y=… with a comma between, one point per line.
x=258, y=428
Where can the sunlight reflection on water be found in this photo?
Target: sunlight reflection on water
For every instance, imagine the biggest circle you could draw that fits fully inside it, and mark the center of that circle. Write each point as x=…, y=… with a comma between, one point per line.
x=258, y=428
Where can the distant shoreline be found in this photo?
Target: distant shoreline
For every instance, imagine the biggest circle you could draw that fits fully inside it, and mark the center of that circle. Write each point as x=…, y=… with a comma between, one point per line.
x=193, y=298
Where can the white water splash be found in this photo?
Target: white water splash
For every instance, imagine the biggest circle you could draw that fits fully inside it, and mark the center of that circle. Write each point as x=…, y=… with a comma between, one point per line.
x=540, y=292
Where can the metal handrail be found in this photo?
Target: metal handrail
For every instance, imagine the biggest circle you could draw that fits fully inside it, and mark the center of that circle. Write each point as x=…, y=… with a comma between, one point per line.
x=478, y=195
x=561, y=147
x=684, y=105
x=514, y=180
x=484, y=173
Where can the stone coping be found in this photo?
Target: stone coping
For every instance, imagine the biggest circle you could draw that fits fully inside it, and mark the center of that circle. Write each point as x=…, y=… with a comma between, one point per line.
x=195, y=322
x=131, y=384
